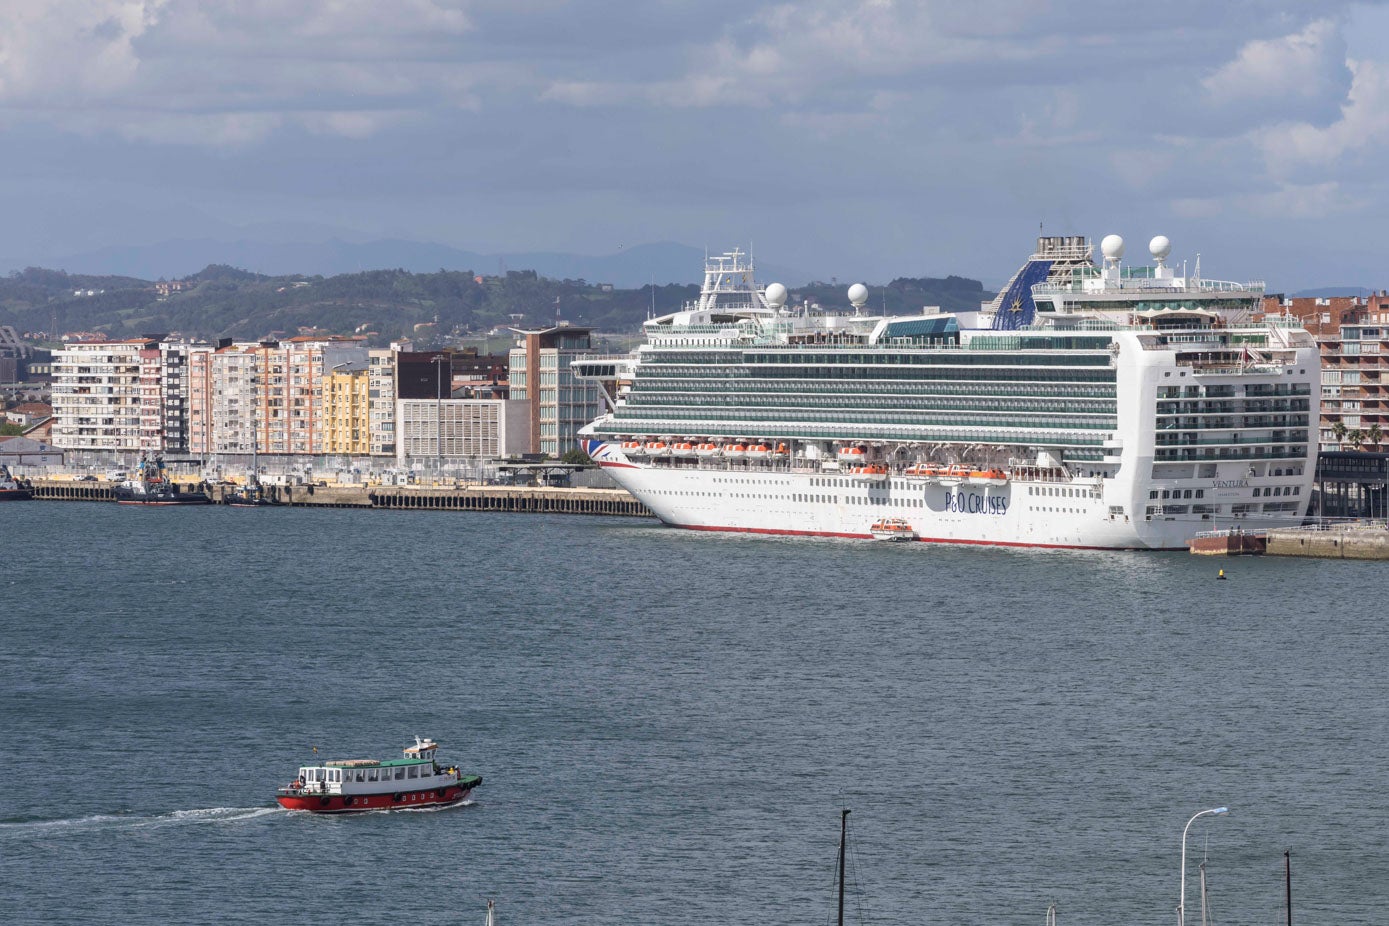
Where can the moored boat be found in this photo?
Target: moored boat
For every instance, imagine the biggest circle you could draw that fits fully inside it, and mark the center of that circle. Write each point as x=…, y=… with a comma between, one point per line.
x=151, y=485
x=892, y=529
x=12, y=489
x=354, y=785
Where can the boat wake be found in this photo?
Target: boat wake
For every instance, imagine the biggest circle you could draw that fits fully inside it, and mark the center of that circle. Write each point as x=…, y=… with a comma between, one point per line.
x=100, y=821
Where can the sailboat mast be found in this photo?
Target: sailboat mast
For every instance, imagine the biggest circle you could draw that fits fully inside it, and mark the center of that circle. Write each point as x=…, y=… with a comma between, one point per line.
x=843, y=844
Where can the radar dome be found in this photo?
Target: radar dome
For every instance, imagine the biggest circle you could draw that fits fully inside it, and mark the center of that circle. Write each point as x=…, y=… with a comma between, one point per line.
x=1112, y=247
x=776, y=295
x=858, y=294
x=1160, y=247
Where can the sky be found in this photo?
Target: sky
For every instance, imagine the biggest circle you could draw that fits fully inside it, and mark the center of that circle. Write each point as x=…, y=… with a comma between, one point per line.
x=856, y=140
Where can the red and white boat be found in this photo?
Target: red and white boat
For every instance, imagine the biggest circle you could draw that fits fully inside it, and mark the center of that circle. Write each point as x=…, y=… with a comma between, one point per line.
x=352, y=785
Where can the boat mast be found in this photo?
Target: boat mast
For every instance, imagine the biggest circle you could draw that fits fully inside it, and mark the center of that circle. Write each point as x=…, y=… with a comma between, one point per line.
x=843, y=844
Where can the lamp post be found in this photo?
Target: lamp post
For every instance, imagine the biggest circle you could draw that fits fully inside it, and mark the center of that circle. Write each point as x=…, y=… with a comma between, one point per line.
x=439, y=416
x=1181, y=907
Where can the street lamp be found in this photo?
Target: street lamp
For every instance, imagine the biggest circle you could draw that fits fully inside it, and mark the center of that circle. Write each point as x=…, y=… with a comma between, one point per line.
x=1181, y=907
x=439, y=362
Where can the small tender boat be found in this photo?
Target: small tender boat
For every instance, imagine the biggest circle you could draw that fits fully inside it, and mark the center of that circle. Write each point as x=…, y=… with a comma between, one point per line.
x=852, y=455
x=633, y=448
x=684, y=450
x=988, y=477
x=735, y=451
x=758, y=452
x=11, y=489
x=657, y=448
x=892, y=529
x=352, y=785
x=706, y=450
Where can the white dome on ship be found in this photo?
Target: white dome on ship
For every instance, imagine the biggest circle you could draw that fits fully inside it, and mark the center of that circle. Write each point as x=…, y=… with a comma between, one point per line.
x=776, y=295
x=858, y=294
x=1160, y=247
x=1112, y=247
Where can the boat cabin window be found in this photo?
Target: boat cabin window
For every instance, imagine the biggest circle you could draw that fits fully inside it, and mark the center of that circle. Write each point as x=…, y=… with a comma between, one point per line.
x=414, y=771
x=361, y=776
x=371, y=775
x=399, y=773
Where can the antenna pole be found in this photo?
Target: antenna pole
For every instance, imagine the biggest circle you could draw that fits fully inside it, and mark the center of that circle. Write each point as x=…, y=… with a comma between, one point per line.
x=843, y=845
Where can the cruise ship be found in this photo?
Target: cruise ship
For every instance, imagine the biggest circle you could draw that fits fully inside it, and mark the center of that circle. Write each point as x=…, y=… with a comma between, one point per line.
x=1089, y=406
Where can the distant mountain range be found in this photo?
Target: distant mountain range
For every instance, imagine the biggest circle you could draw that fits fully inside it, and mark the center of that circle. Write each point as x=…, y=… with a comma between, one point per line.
x=661, y=263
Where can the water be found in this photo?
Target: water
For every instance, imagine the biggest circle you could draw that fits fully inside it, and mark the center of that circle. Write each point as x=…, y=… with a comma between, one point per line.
x=668, y=722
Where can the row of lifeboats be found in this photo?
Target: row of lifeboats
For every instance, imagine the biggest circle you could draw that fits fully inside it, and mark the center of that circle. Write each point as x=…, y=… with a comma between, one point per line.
x=956, y=474
x=704, y=450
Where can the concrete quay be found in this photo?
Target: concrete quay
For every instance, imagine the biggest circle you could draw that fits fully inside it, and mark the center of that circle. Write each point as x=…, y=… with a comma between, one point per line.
x=1364, y=540
x=519, y=499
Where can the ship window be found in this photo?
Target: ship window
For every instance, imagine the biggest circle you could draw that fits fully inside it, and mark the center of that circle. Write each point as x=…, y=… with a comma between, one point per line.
x=399, y=773
x=414, y=771
x=371, y=775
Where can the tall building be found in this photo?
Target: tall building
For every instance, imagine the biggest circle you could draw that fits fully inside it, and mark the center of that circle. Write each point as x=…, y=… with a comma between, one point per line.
x=559, y=403
x=128, y=396
x=450, y=430
x=346, y=418
x=1352, y=333
x=381, y=401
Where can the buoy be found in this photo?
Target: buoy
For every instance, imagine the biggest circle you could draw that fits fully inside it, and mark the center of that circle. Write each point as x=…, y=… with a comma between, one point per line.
x=1221, y=574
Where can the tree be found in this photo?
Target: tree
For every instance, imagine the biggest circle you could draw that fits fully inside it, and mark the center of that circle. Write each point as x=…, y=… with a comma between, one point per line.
x=1356, y=438
x=10, y=429
x=1338, y=431
x=576, y=457
x=1374, y=435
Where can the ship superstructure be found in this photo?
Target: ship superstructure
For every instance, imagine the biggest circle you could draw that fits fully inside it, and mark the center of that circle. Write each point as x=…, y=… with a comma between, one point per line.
x=1134, y=408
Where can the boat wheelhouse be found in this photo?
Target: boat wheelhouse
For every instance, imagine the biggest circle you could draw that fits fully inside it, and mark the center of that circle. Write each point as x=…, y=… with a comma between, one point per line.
x=349, y=785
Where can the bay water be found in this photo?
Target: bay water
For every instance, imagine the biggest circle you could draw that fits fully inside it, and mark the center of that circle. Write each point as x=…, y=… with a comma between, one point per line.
x=668, y=723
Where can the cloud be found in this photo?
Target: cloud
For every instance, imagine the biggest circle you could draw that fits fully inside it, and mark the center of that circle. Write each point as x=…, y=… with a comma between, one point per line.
x=1302, y=74
x=1361, y=131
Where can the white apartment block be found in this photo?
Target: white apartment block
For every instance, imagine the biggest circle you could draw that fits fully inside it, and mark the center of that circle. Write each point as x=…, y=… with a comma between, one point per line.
x=381, y=399
x=121, y=396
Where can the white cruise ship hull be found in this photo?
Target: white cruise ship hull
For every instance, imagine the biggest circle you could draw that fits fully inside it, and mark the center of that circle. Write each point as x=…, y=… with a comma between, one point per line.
x=1074, y=515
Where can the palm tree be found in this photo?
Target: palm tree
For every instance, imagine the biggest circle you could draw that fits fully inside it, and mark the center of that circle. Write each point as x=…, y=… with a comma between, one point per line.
x=1338, y=431
x=1356, y=438
x=1374, y=435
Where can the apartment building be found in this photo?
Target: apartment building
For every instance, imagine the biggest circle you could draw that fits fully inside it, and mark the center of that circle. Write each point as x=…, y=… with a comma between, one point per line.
x=126, y=396
x=558, y=403
x=346, y=409
x=1353, y=334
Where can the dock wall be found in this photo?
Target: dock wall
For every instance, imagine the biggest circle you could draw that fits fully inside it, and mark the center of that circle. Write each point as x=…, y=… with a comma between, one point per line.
x=1357, y=542
x=522, y=500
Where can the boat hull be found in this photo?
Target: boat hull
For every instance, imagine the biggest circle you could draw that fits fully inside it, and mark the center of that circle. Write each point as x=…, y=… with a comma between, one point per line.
x=16, y=495
x=359, y=803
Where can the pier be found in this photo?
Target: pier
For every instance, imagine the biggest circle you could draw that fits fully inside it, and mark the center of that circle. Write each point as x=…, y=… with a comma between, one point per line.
x=1357, y=540
x=518, y=499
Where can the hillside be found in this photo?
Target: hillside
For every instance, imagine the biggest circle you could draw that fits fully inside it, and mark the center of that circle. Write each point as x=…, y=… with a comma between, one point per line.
x=222, y=301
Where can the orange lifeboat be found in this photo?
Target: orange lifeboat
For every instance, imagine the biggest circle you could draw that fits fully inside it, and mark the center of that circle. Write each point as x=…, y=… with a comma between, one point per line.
x=758, y=451
x=735, y=451
x=954, y=475
x=657, y=448
x=988, y=477
x=706, y=450
x=780, y=452
x=683, y=449
x=852, y=455
x=633, y=448
x=873, y=472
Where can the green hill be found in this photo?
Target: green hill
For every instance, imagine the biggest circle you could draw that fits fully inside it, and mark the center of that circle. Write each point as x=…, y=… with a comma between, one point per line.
x=222, y=301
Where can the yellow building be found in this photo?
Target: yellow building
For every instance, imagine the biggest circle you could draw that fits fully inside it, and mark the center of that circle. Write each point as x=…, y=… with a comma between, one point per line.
x=346, y=421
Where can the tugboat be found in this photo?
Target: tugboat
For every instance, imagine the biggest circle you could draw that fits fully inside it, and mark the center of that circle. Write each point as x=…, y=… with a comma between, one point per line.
x=354, y=785
x=12, y=489
x=151, y=486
